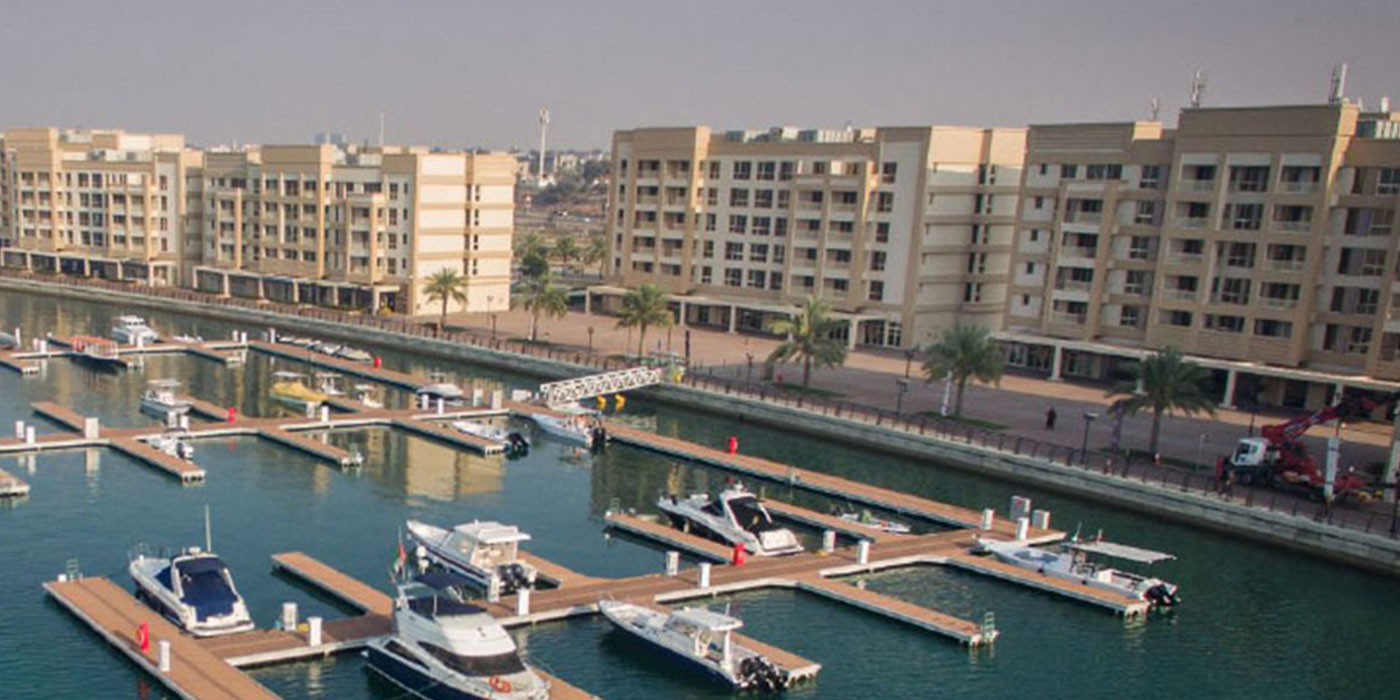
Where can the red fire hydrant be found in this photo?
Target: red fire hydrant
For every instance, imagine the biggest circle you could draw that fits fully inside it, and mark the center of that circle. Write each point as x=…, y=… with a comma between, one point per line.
x=733, y=445
x=232, y=414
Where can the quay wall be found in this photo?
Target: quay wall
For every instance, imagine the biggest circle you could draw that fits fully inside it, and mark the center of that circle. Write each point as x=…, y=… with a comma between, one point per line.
x=1366, y=550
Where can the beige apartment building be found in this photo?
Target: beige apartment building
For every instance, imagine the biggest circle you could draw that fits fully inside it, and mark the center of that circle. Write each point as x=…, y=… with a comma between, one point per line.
x=1257, y=239
x=903, y=230
x=333, y=225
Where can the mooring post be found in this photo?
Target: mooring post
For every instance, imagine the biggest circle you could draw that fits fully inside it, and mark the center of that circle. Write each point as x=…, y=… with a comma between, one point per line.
x=863, y=552
x=289, y=616
x=29, y=435
x=1040, y=519
x=704, y=574
x=163, y=655
x=522, y=602
x=673, y=563
x=989, y=517
x=19, y=430
x=828, y=541
x=313, y=631
x=1023, y=526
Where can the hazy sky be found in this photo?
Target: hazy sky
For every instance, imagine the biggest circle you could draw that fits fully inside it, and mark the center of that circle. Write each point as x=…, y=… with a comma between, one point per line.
x=476, y=73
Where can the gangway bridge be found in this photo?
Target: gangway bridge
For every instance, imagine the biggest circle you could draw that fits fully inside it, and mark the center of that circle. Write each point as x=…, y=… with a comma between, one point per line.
x=568, y=391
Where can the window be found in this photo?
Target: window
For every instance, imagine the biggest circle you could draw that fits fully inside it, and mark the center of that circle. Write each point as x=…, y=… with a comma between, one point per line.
x=1243, y=217
x=1180, y=319
x=1130, y=317
x=1355, y=300
x=758, y=279
x=1151, y=178
x=1249, y=178
x=775, y=280
x=1035, y=235
x=733, y=277
x=743, y=169
x=887, y=172
x=877, y=260
x=738, y=223
x=1388, y=181
x=758, y=252
x=738, y=197
x=733, y=251
x=786, y=169
x=767, y=170
x=1224, y=324
x=884, y=201
x=779, y=254
x=780, y=227
x=1269, y=328
x=763, y=199
x=1149, y=213
x=1103, y=172
x=712, y=165
x=1364, y=262
x=711, y=222
x=1369, y=222
x=1140, y=248
x=1239, y=255
x=1230, y=290
x=707, y=275
x=877, y=291
x=1137, y=282
x=708, y=250
x=1069, y=171
x=972, y=292
x=1348, y=340
x=762, y=226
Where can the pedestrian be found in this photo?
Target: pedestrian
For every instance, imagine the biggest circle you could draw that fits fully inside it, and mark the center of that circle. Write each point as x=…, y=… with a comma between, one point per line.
x=1050, y=417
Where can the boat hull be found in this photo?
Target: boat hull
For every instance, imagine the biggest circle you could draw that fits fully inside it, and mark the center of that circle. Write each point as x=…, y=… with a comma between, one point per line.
x=711, y=670
x=413, y=678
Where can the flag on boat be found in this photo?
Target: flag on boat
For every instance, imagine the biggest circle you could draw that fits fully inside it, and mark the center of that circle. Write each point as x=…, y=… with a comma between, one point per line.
x=399, y=562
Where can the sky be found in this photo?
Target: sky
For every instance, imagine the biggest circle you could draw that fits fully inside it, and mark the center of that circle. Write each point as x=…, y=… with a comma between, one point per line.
x=464, y=73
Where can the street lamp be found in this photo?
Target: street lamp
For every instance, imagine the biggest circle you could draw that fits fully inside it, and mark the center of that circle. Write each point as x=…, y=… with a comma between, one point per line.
x=903, y=385
x=491, y=306
x=909, y=360
x=1089, y=417
x=590, y=340
x=1200, y=447
x=748, y=375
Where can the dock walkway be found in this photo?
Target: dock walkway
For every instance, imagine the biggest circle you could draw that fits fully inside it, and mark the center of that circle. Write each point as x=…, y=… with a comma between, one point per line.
x=823, y=521
x=988, y=566
x=207, y=410
x=309, y=445
x=327, y=578
x=185, y=471
x=12, y=486
x=650, y=529
x=963, y=631
x=450, y=436
x=320, y=359
x=65, y=417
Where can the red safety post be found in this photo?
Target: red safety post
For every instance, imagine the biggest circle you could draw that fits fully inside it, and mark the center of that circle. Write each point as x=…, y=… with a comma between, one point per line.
x=733, y=445
x=143, y=637
x=378, y=361
x=739, y=552
x=232, y=414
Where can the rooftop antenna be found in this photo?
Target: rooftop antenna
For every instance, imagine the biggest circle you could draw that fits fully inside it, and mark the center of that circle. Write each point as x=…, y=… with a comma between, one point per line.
x=1154, y=107
x=544, y=132
x=381, y=129
x=1198, y=87
x=1339, y=84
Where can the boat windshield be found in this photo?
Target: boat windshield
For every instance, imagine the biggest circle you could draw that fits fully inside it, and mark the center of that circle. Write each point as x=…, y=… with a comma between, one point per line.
x=494, y=665
x=204, y=588
x=750, y=515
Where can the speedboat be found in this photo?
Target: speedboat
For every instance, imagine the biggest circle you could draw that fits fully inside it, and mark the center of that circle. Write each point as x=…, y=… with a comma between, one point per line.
x=485, y=553
x=444, y=648
x=734, y=517
x=364, y=393
x=701, y=638
x=328, y=383
x=577, y=426
x=439, y=388
x=515, y=444
x=161, y=401
x=192, y=588
x=132, y=330
x=173, y=444
x=98, y=351
x=291, y=389
x=8, y=341
x=353, y=354
x=1070, y=561
x=867, y=519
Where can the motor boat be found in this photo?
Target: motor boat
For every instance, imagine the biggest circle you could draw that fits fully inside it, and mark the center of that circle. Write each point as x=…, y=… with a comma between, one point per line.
x=1070, y=561
x=443, y=648
x=365, y=394
x=98, y=351
x=291, y=389
x=132, y=330
x=353, y=354
x=865, y=518
x=161, y=400
x=295, y=340
x=701, y=638
x=8, y=341
x=575, y=425
x=514, y=443
x=486, y=553
x=189, y=339
x=173, y=444
x=439, y=388
x=328, y=383
x=734, y=517
x=192, y=588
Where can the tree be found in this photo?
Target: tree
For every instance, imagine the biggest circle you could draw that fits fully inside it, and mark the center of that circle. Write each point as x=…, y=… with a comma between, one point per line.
x=642, y=308
x=567, y=250
x=965, y=352
x=596, y=252
x=445, y=285
x=534, y=265
x=594, y=169
x=528, y=244
x=808, y=338
x=1162, y=383
x=540, y=295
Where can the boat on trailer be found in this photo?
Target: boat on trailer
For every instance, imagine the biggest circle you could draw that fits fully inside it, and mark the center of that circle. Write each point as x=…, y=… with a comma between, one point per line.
x=702, y=639
x=486, y=553
x=1070, y=561
x=734, y=517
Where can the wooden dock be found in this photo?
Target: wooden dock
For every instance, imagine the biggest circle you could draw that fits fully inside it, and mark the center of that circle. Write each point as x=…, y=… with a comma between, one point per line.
x=987, y=566
x=320, y=359
x=332, y=581
x=311, y=446
x=65, y=417
x=185, y=471
x=559, y=689
x=961, y=630
x=823, y=521
x=12, y=486
x=555, y=574
x=660, y=532
x=450, y=436
x=24, y=367
x=207, y=410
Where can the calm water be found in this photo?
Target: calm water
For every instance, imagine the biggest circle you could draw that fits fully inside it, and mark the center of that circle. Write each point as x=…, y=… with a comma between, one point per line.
x=1257, y=621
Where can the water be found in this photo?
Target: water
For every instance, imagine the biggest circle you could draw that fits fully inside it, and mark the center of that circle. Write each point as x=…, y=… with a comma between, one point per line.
x=1257, y=620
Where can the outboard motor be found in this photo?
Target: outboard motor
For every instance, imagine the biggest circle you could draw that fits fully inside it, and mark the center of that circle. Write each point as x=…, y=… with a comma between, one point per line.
x=517, y=445
x=1162, y=595
x=600, y=438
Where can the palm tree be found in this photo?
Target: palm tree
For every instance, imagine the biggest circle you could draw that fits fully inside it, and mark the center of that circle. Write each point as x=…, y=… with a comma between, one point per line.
x=567, y=250
x=596, y=252
x=1164, y=382
x=644, y=307
x=445, y=285
x=809, y=338
x=540, y=295
x=965, y=352
x=529, y=243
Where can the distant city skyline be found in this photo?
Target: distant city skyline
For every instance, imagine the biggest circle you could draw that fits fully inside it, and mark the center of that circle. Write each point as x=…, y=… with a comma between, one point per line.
x=451, y=74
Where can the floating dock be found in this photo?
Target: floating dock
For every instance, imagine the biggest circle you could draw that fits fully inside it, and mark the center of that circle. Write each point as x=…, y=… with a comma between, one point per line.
x=987, y=566
x=185, y=471
x=65, y=417
x=963, y=631
x=24, y=367
x=450, y=436
x=207, y=410
x=12, y=486
x=823, y=521
x=660, y=532
x=311, y=446
x=320, y=359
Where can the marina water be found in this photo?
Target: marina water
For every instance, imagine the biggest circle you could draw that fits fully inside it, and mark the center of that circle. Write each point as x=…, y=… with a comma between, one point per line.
x=1257, y=621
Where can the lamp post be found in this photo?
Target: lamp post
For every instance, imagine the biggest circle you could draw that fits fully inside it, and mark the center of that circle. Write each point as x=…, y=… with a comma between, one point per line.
x=903, y=386
x=491, y=306
x=1200, y=447
x=590, y=340
x=909, y=360
x=1089, y=417
x=748, y=374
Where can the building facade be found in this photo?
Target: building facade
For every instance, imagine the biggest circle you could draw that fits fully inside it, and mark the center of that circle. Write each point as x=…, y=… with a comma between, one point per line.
x=1259, y=239
x=902, y=230
x=333, y=225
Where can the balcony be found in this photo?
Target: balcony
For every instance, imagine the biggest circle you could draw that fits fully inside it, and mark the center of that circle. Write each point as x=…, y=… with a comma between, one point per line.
x=1292, y=226
x=1286, y=265
x=1277, y=303
x=1180, y=294
x=1298, y=187
x=1186, y=258
x=1073, y=286
x=1197, y=185
x=1192, y=222
x=1067, y=318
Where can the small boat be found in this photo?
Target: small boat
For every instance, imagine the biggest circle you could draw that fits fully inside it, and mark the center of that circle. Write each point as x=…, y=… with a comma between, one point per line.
x=353, y=354
x=700, y=638
x=188, y=339
x=291, y=389
x=324, y=347
x=578, y=426
x=867, y=519
x=132, y=330
x=1070, y=561
x=192, y=588
x=173, y=444
x=8, y=341
x=439, y=388
x=161, y=401
x=485, y=431
x=328, y=383
x=486, y=553
x=98, y=351
x=295, y=340
x=365, y=394
x=443, y=648
x=734, y=517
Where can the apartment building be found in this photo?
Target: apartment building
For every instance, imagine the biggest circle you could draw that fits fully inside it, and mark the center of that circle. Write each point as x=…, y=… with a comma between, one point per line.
x=1257, y=239
x=333, y=225
x=102, y=203
x=904, y=230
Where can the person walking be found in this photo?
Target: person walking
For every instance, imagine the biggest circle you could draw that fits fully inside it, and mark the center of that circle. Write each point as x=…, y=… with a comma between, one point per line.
x=1050, y=417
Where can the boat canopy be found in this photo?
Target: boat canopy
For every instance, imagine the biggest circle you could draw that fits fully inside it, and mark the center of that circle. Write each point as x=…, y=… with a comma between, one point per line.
x=488, y=532
x=442, y=580
x=204, y=588
x=1121, y=551
x=707, y=619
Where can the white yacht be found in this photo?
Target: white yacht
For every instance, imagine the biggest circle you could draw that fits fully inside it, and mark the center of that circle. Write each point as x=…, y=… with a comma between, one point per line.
x=701, y=638
x=575, y=425
x=161, y=400
x=486, y=553
x=444, y=648
x=439, y=388
x=353, y=354
x=366, y=394
x=192, y=588
x=8, y=341
x=1070, y=561
x=130, y=330
x=734, y=517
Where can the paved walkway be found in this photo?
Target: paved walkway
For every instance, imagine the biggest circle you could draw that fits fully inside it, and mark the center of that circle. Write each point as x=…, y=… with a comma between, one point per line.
x=869, y=377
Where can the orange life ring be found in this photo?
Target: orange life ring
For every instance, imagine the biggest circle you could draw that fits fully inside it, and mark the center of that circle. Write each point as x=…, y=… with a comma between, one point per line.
x=499, y=684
